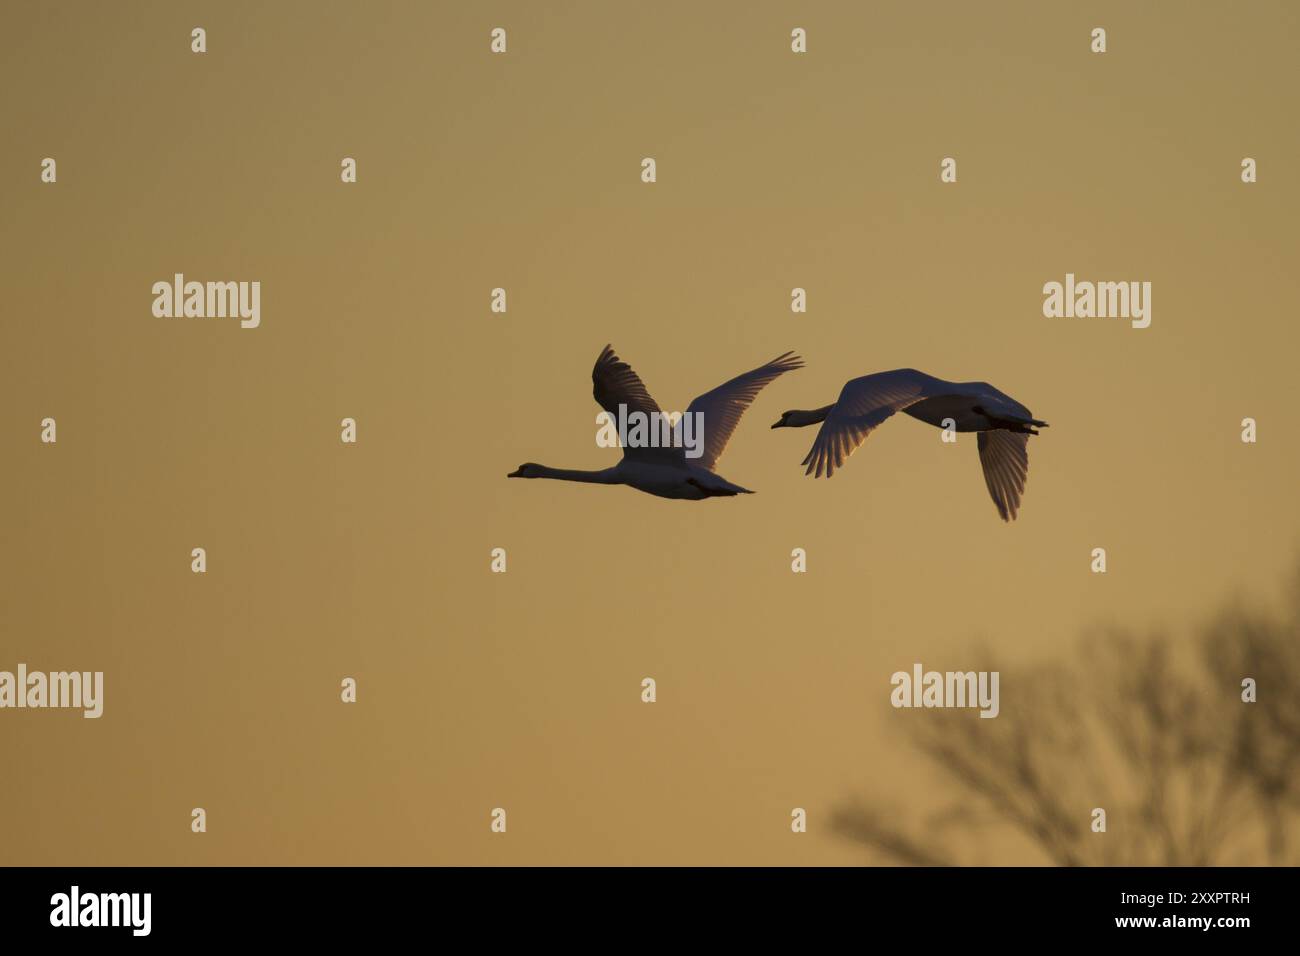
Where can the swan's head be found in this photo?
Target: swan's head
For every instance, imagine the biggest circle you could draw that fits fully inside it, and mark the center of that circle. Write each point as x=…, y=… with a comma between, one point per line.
x=785, y=420
x=527, y=470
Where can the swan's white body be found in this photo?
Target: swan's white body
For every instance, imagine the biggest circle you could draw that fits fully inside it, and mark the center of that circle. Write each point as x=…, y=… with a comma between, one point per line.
x=1003, y=424
x=666, y=471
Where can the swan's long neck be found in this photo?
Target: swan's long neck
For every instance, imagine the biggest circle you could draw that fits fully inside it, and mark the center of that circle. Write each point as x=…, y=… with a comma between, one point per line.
x=799, y=418
x=603, y=477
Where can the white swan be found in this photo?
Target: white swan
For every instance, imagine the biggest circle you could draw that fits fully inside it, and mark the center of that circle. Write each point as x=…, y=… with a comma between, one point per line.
x=667, y=472
x=1004, y=425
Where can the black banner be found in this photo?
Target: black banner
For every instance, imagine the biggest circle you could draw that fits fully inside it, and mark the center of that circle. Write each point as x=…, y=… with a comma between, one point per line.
x=192, y=905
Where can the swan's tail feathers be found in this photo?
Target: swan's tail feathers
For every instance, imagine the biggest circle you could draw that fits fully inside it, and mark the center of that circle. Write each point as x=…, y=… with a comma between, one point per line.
x=724, y=490
x=1018, y=424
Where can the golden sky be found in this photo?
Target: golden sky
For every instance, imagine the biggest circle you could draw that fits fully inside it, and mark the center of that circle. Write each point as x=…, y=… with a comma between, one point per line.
x=775, y=170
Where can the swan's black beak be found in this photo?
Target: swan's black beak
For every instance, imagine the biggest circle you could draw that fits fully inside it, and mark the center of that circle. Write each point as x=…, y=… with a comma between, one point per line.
x=779, y=424
x=517, y=473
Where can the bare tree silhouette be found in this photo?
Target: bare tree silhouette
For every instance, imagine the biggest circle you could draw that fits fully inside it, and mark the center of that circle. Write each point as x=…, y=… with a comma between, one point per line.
x=1153, y=731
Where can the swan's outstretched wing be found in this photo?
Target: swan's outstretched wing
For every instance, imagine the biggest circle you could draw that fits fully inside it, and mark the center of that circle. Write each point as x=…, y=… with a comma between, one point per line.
x=614, y=384
x=863, y=404
x=1004, y=456
x=723, y=406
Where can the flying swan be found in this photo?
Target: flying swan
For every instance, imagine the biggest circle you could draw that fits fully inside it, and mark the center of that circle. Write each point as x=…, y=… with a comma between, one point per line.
x=667, y=471
x=1004, y=425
